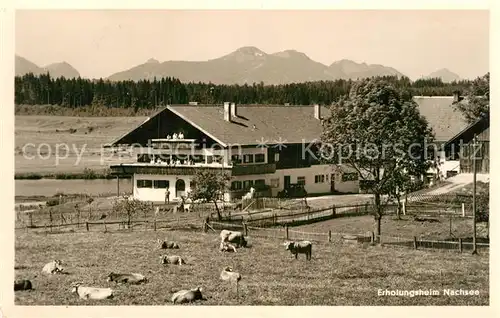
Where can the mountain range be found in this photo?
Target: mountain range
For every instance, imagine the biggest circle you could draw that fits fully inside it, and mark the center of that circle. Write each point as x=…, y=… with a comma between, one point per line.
x=246, y=65
x=61, y=69
x=445, y=74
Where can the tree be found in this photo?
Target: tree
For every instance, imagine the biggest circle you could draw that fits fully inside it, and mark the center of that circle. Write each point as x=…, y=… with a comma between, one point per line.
x=207, y=186
x=379, y=132
x=130, y=207
x=476, y=103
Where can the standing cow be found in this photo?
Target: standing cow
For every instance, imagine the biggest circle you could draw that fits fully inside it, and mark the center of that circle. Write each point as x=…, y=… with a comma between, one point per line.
x=302, y=247
x=233, y=237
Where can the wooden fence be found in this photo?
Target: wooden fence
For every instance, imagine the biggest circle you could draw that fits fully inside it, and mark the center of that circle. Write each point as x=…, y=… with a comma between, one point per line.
x=286, y=233
x=276, y=217
x=178, y=222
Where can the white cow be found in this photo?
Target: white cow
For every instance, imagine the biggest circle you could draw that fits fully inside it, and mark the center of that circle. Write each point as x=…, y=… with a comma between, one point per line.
x=92, y=292
x=249, y=195
x=234, y=237
x=53, y=267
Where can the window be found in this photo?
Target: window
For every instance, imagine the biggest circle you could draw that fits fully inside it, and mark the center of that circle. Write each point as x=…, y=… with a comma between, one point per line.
x=235, y=159
x=247, y=184
x=275, y=183
x=260, y=157
x=210, y=159
x=236, y=185
x=260, y=184
x=218, y=158
x=351, y=176
x=319, y=178
x=301, y=180
x=160, y=184
x=248, y=158
x=144, y=183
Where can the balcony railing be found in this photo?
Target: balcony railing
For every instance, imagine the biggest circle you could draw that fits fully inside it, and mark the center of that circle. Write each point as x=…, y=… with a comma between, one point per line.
x=148, y=168
x=189, y=169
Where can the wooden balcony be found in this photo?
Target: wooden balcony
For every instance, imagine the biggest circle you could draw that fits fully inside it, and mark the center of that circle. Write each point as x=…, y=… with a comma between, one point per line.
x=241, y=170
x=147, y=168
x=130, y=169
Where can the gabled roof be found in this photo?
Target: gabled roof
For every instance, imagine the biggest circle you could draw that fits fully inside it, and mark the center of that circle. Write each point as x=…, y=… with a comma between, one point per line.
x=288, y=124
x=482, y=123
x=441, y=115
x=295, y=124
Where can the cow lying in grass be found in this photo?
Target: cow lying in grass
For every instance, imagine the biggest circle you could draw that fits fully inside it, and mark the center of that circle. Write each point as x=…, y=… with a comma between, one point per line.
x=302, y=247
x=53, y=267
x=228, y=275
x=187, y=296
x=172, y=259
x=92, y=292
x=167, y=244
x=131, y=278
x=227, y=247
x=233, y=237
x=22, y=284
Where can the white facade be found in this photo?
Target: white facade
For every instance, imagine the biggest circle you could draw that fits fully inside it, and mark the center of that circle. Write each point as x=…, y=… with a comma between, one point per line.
x=317, y=178
x=155, y=191
x=445, y=166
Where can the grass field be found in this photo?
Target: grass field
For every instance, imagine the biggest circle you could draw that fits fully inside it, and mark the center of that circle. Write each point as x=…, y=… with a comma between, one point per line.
x=406, y=227
x=339, y=274
x=82, y=135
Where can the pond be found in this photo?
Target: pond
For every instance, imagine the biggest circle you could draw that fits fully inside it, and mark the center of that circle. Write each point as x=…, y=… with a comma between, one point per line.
x=49, y=187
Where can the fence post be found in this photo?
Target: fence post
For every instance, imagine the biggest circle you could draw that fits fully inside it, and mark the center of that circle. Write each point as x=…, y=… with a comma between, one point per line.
x=50, y=217
x=31, y=219
x=460, y=246
x=154, y=224
x=105, y=228
x=404, y=208
x=245, y=229
x=286, y=232
x=415, y=242
x=463, y=210
x=334, y=211
x=450, y=226
x=329, y=236
x=373, y=237
x=87, y=226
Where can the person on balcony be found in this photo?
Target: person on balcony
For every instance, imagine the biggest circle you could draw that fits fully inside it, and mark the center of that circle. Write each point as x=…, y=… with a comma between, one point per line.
x=181, y=135
x=174, y=136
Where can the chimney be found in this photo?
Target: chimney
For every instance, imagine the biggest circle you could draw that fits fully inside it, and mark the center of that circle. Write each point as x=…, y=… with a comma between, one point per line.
x=317, y=111
x=227, y=112
x=234, y=110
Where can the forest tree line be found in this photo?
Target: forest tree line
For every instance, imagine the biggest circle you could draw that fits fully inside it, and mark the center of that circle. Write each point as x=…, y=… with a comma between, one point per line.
x=145, y=94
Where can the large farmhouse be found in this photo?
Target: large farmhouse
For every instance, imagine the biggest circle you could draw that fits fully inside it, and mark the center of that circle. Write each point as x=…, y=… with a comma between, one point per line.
x=265, y=147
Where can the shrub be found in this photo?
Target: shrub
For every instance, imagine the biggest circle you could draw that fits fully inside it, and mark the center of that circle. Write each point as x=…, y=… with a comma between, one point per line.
x=89, y=174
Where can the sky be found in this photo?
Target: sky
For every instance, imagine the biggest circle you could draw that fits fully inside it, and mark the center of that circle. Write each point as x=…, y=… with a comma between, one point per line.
x=101, y=42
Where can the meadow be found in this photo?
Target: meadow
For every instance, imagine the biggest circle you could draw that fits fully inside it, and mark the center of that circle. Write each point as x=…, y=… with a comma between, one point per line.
x=339, y=273
x=40, y=135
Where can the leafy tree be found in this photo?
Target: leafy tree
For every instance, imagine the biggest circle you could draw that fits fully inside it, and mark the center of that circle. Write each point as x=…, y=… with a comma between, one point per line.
x=476, y=103
x=208, y=186
x=380, y=133
x=129, y=207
